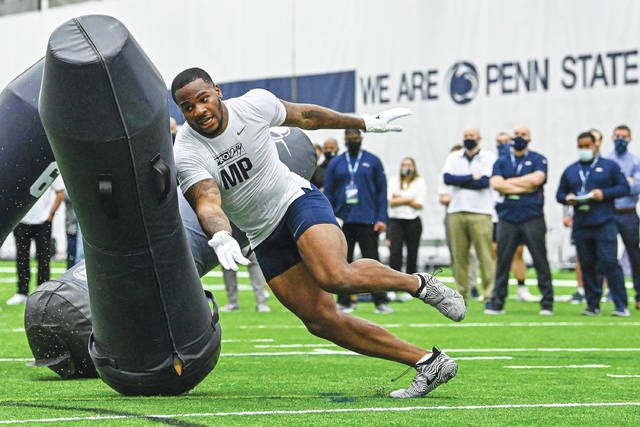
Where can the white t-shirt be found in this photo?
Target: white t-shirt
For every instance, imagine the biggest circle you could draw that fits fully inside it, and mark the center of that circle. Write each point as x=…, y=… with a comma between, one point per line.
x=255, y=186
x=468, y=200
x=40, y=211
x=417, y=189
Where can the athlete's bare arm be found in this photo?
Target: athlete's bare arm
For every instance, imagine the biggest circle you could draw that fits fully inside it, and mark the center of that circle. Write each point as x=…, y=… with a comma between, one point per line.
x=204, y=198
x=310, y=117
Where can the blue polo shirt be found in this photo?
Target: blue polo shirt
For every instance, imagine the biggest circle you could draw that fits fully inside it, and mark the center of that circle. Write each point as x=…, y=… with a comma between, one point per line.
x=518, y=208
x=603, y=174
x=372, y=189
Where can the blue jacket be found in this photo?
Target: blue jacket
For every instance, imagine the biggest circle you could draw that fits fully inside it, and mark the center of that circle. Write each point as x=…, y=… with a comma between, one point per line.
x=519, y=208
x=372, y=189
x=602, y=173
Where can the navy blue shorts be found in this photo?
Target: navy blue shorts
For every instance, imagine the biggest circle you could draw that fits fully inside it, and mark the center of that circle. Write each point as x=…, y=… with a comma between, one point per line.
x=279, y=251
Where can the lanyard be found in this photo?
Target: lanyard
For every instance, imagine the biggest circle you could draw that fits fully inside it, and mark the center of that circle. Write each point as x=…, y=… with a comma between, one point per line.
x=517, y=169
x=353, y=169
x=585, y=176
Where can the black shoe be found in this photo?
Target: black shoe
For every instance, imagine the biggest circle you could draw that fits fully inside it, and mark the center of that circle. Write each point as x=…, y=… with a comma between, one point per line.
x=591, y=311
x=576, y=298
x=474, y=292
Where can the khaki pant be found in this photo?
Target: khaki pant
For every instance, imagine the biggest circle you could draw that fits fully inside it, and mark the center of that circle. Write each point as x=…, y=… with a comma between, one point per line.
x=465, y=229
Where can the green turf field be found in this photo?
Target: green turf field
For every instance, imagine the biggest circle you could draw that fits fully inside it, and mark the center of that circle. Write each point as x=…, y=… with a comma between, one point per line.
x=516, y=369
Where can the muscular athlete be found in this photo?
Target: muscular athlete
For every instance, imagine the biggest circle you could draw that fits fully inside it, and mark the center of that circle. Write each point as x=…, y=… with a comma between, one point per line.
x=228, y=168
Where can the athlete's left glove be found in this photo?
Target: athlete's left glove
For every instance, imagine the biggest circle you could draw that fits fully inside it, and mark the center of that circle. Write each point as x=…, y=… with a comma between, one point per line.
x=381, y=121
x=227, y=250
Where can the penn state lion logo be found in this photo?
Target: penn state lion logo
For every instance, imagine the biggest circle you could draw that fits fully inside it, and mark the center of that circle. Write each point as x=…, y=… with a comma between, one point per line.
x=463, y=82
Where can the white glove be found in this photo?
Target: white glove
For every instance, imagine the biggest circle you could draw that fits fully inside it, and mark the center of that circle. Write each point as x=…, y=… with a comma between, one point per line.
x=380, y=122
x=227, y=250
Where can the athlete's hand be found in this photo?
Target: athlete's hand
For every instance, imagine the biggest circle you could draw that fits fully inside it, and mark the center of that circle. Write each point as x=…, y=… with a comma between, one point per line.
x=227, y=250
x=381, y=121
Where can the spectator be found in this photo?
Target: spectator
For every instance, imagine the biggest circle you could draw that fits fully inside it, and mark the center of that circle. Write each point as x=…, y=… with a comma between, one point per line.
x=36, y=225
x=470, y=210
x=407, y=193
x=567, y=221
x=591, y=185
x=173, y=127
x=74, y=239
x=329, y=151
x=626, y=215
x=518, y=267
x=356, y=186
x=520, y=178
x=444, y=197
x=257, y=283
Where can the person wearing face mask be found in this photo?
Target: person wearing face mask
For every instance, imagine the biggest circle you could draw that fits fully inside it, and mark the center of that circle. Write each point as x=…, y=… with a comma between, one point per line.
x=591, y=186
x=329, y=151
x=356, y=187
x=406, y=194
x=626, y=215
x=519, y=178
x=470, y=210
x=518, y=267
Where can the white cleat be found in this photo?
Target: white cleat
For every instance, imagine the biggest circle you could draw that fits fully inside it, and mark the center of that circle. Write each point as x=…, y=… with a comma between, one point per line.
x=438, y=370
x=448, y=301
x=229, y=307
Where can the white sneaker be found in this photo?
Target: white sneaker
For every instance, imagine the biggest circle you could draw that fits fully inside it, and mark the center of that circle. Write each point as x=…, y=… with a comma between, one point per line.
x=383, y=309
x=402, y=297
x=263, y=308
x=525, y=295
x=617, y=313
x=345, y=309
x=17, y=299
x=229, y=307
x=439, y=369
x=448, y=301
x=546, y=312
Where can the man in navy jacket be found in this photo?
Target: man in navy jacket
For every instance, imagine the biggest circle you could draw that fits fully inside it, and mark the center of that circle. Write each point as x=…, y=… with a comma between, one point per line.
x=356, y=186
x=591, y=185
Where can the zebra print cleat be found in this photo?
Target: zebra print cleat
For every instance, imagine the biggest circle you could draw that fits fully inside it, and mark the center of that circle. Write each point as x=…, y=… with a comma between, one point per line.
x=448, y=301
x=437, y=370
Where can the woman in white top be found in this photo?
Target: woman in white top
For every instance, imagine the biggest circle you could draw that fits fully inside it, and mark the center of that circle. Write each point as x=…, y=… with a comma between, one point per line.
x=406, y=195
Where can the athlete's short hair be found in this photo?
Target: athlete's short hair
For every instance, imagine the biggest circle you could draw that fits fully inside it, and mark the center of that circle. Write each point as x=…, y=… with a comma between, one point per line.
x=187, y=76
x=622, y=127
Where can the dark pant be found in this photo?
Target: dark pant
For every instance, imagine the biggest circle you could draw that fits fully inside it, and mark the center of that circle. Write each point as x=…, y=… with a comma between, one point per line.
x=72, y=239
x=597, y=249
x=533, y=234
x=629, y=231
x=367, y=240
x=41, y=233
x=403, y=232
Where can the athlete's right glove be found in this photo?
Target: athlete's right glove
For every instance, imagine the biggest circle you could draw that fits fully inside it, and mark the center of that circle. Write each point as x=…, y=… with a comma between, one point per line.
x=227, y=250
x=381, y=121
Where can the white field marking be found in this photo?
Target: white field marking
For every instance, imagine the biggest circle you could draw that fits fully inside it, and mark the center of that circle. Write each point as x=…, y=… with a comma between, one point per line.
x=15, y=359
x=324, y=411
x=463, y=325
x=557, y=366
x=293, y=345
x=561, y=283
x=255, y=340
x=623, y=376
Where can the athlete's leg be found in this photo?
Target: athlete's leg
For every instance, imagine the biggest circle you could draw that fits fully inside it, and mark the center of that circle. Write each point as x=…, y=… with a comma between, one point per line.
x=299, y=292
x=324, y=251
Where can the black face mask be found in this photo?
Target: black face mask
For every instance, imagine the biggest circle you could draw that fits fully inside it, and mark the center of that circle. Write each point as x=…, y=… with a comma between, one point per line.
x=470, y=144
x=328, y=155
x=353, y=147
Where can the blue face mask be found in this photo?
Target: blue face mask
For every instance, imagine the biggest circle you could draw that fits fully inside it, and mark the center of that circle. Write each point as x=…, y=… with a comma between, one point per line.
x=519, y=143
x=504, y=150
x=621, y=146
x=470, y=144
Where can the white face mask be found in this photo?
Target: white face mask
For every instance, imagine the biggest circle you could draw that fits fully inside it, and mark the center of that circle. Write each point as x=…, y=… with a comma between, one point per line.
x=585, y=154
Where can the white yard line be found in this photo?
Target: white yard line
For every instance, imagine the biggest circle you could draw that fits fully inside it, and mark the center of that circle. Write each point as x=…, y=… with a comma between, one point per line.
x=324, y=411
x=465, y=325
x=557, y=366
x=623, y=376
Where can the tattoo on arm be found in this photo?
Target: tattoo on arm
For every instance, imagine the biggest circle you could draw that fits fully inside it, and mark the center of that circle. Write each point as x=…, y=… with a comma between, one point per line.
x=204, y=198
